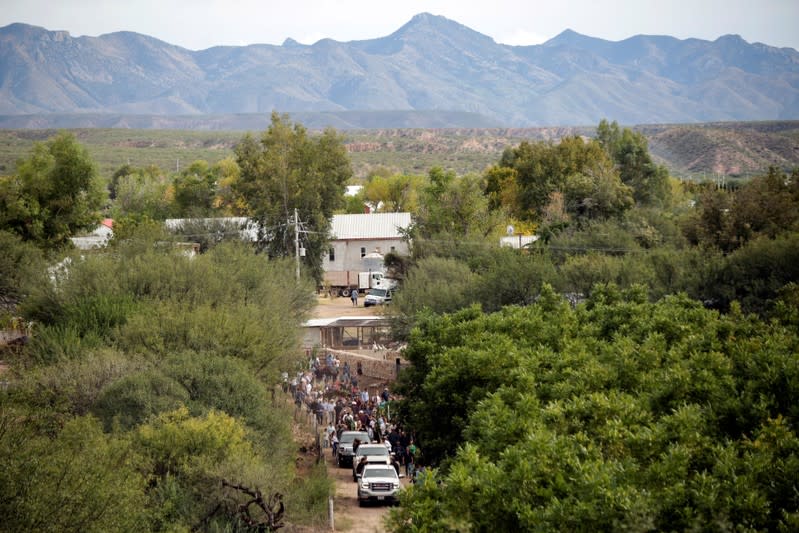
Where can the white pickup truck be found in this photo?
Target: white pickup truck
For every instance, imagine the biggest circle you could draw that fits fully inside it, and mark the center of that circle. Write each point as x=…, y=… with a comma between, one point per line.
x=378, y=483
x=369, y=454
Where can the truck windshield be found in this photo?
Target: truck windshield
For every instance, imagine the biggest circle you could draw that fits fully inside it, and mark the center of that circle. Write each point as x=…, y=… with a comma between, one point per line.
x=348, y=438
x=380, y=472
x=378, y=292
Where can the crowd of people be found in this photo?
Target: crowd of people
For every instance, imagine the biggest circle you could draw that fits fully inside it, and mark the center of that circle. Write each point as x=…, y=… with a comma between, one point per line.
x=340, y=400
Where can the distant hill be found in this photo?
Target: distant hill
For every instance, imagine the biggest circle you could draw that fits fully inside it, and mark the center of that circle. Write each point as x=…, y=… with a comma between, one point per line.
x=731, y=149
x=698, y=151
x=431, y=64
x=313, y=120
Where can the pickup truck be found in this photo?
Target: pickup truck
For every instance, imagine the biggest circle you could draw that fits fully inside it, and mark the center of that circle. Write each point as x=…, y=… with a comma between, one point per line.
x=345, y=453
x=377, y=297
x=369, y=454
x=378, y=483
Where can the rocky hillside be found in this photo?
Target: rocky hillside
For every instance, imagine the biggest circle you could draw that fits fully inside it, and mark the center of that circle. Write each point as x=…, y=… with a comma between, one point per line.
x=727, y=149
x=429, y=64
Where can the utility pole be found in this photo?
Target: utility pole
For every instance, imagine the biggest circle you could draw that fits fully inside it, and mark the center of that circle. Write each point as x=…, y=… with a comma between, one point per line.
x=297, y=242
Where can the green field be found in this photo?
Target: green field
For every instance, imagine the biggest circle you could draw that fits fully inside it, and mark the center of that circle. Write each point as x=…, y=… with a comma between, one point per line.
x=112, y=148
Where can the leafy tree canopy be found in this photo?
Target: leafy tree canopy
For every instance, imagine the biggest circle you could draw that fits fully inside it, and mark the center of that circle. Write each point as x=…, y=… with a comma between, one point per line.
x=55, y=194
x=528, y=177
x=395, y=193
x=287, y=170
x=616, y=414
x=629, y=150
x=767, y=205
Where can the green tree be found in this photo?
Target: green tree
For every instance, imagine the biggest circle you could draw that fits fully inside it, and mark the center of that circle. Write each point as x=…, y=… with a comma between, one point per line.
x=538, y=175
x=355, y=204
x=513, y=277
x=755, y=273
x=619, y=414
x=288, y=170
x=195, y=190
x=580, y=170
x=455, y=206
x=175, y=356
x=227, y=201
x=501, y=188
x=767, y=205
x=125, y=170
x=134, y=399
x=435, y=283
x=189, y=458
x=712, y=223
x=396, y=193
x=55, y=194
x=629, y=150
x=143, y=193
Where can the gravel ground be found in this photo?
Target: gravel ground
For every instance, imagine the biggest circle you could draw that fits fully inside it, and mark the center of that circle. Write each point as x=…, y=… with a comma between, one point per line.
x=328, y=307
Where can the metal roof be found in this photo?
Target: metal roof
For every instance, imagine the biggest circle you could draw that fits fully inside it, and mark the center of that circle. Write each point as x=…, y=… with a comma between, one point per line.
x=348, y=322
x=369, y=226
x=359, y=322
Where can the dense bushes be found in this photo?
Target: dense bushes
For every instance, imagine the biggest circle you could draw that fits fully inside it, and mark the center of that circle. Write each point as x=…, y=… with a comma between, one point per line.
x=617, y=414
x=147, y=383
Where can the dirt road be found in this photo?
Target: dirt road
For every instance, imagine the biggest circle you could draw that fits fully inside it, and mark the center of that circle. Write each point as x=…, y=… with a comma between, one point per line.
x=348, y=515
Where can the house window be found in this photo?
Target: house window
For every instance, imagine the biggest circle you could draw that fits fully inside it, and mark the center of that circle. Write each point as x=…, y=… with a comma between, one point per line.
x=331, y=254
x=363, y=251
x=393, y=249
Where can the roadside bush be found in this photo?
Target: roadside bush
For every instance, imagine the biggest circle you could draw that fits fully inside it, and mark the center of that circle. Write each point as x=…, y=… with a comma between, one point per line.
x=133, y=399
x=79, y=481
x=21, y=268
x=441, y=285
x=189, y=457
x=513, y=278
x=227, y=384
x=73, y=386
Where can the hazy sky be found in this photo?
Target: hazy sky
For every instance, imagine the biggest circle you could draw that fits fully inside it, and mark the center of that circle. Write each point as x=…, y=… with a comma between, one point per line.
x=200, y=24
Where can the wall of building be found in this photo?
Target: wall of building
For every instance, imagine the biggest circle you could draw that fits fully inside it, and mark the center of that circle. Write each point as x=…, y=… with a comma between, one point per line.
x=384, y=368
x=347, y=254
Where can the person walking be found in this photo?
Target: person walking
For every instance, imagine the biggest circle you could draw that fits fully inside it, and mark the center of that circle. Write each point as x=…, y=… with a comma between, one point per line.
x=354, y=297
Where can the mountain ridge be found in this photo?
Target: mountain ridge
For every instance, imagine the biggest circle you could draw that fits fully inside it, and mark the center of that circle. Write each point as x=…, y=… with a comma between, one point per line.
x=429, y=63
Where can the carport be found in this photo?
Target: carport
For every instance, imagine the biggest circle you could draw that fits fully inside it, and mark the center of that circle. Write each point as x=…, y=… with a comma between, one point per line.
x=355, y=333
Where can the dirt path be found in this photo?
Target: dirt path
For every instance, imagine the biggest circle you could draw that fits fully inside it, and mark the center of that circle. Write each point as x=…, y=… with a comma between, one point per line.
x=349, y=516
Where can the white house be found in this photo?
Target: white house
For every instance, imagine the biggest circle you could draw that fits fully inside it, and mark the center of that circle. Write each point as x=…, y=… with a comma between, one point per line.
x=96, y=239
x=355, y=236
x=518, y=241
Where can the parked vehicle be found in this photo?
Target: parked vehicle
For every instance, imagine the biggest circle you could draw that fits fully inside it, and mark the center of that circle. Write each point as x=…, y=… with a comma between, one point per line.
x=378, y=483
x=369, y=454
x=344, y=454
x=371, y=276
x=377, y=297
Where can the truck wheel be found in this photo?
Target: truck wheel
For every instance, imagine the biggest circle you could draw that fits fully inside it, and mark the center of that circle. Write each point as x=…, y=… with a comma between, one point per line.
x=345, y=292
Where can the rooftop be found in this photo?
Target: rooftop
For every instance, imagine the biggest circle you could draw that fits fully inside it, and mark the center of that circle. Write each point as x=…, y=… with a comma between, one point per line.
x=370, y=226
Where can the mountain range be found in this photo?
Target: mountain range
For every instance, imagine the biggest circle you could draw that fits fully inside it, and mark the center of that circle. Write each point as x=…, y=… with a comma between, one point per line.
x=431, y=66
